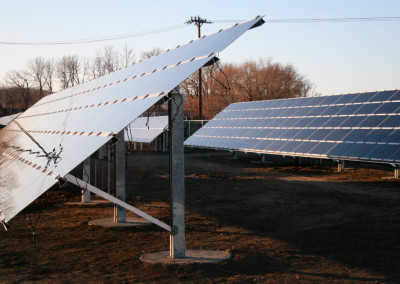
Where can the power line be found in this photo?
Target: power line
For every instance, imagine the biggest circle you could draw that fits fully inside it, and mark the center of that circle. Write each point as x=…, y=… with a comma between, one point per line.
x=179, y=26
x=100, y=39
x=322, y=20
x=336, y=20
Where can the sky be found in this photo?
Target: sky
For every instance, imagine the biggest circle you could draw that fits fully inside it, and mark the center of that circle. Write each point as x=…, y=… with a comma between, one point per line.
x=337, y=57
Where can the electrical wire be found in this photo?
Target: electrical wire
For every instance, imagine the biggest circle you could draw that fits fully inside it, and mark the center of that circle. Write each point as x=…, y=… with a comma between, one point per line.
x=335, y=20
x=178, y=107
x=183, y=25
x=226, y=77
x=100, y=39
x=320, y=20
x=32, y=227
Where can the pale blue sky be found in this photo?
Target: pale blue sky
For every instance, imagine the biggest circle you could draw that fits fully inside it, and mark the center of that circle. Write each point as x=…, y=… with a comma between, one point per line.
x=342, y=57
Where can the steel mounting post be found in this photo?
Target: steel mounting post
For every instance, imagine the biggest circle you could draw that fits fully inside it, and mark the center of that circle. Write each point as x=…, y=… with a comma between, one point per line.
x=177, y=177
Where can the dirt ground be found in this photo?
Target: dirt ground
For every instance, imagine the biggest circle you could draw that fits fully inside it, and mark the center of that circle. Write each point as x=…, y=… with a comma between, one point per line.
x=283, y=223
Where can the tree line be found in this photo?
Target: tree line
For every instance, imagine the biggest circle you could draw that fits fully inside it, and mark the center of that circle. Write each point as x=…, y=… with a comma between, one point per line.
x=253, y=80
x=22, y=88
x=222, y=84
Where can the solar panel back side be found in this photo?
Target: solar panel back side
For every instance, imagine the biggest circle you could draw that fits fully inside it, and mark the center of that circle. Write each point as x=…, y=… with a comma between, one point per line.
x=146, y=129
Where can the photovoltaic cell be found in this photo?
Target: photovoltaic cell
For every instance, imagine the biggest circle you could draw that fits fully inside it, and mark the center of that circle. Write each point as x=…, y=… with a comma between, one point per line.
x=61, y=130
x=363, y=126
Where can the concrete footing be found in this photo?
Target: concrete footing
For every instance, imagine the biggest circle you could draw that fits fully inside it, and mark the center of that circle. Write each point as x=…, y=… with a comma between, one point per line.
x=130, y=222
x=191, y=256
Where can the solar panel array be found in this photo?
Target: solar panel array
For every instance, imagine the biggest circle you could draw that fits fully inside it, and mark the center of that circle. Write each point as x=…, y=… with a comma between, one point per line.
x=363, y=126
x=61, y=130
x=4, y=120
x=146, y=129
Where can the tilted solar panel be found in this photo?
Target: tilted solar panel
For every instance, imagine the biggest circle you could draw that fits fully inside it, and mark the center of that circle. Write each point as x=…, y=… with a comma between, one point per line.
x=61, y=130
x=146, y=129
x=364, y=126
x=4, y=120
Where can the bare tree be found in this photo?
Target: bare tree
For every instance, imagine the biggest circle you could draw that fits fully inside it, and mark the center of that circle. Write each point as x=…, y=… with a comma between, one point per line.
x=126, y=57
x=86, y=70
x=248, y=81
x=37, y=69
x=49, y=74
x=20, y=80
x=96, y=68
x=108, y=58
x=3, y=100
x=153, y=52
x=68, y=71
x=62, y=73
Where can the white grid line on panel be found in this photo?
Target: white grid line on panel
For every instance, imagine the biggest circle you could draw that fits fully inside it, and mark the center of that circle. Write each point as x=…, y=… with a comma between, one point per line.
x=312, y=106
x=309, y=116
x=300, y=128
x=124, y=80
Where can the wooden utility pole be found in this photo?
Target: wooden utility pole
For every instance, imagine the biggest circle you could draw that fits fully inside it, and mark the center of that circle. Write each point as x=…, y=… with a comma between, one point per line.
x=199, y=22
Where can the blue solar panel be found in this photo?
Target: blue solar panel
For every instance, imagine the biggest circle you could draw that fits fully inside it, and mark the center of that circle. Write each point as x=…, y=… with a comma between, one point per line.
x=364, y=126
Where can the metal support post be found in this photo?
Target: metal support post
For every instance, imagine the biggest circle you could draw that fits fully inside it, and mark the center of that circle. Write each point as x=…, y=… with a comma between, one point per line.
x=235, y=155
x=341, y=166
x=108, y=169
x=396, y=171
x=165, y=142
x=95, y=169
x=177, y=177
x=86, y=178
x=102, y=155
x=119, y=168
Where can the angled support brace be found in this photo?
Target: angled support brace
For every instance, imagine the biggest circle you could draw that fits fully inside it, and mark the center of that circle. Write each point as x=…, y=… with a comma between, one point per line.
x=82, y=184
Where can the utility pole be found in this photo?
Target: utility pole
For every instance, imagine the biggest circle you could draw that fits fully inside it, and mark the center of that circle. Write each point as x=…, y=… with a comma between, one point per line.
x=199, y=22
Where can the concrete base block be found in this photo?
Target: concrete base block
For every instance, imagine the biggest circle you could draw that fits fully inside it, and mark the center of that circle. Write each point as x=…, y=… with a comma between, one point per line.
x=130, y=222
x=192, y=256
x=91, y=203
